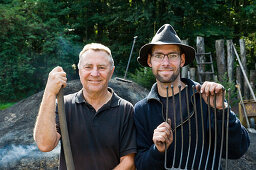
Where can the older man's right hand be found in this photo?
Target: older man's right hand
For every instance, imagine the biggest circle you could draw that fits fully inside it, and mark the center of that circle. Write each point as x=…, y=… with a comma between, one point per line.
x=56, y=79
x=163, y=135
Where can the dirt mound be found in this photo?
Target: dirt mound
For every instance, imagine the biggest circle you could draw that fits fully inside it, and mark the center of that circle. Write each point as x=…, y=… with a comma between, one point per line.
x=17, y=147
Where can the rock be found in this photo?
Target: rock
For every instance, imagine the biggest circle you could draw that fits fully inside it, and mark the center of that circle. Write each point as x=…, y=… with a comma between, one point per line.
x=17, y=147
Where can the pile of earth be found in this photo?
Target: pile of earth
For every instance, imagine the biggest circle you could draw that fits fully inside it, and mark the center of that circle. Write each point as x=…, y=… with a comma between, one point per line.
x=17, y=147
x=19, y=151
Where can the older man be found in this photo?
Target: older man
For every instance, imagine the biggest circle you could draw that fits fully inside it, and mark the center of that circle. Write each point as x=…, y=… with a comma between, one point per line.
x=166, y=55
x=100, y=123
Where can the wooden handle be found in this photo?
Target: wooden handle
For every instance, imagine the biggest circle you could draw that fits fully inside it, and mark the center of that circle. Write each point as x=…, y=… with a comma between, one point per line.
x=64, y=131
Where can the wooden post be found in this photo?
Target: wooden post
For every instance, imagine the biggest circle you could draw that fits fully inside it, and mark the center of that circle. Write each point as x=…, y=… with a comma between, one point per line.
x=200, y=49
x=220, y=57
x=230, y=61
x=215, y=78
x=239, y=78
x=243, y=60
x=192, y=72
x=185, y=69
x=253, y=78
x=244, y=74
x=239, y=81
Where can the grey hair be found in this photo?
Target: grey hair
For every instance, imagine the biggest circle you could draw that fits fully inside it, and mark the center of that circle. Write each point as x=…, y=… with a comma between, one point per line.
x=96, y=47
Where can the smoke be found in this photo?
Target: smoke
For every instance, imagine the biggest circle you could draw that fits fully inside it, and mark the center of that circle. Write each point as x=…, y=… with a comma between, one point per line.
x=68, y=48
x=11, y=154
x=68, y=55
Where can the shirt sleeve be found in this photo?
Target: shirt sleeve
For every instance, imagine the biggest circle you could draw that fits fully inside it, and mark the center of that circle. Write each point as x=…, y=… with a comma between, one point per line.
x=147, y=157
x=128, y=133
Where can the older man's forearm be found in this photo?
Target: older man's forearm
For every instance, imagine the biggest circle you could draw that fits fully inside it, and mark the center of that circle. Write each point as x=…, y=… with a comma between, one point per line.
x=45, y=133
x=126, y=163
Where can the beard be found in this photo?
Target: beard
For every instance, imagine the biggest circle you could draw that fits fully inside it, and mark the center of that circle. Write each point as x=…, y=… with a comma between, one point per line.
x=169, y=80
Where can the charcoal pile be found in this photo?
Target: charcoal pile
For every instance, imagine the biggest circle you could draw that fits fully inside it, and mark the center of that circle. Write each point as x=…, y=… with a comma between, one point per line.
x=17, y=147
x=18, y=150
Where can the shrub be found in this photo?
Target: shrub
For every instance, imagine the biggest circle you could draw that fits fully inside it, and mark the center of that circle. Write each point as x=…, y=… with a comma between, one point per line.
x=229, y=85
x=144, y=77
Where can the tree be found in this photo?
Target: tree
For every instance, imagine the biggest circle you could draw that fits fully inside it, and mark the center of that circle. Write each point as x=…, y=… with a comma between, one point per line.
x=38, y=35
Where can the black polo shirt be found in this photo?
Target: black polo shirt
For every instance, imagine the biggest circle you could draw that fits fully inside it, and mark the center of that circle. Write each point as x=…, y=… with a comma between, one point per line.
x=98, y=139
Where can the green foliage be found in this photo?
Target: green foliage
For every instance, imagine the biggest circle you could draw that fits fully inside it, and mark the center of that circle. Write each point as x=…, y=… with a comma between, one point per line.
x=230, y=86
x=250, y=43
x=37, y=35
x=144, y=77
x=5, y=105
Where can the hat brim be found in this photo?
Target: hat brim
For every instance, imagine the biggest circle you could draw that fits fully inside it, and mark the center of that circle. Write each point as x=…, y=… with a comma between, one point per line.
x=186, y=49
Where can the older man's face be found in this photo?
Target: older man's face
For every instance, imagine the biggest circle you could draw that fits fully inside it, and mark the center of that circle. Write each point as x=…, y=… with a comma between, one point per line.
x=95, y=71
x=166, y=62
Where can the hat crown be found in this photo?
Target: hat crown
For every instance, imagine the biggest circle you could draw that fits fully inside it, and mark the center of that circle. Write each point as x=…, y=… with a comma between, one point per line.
x=166, y=35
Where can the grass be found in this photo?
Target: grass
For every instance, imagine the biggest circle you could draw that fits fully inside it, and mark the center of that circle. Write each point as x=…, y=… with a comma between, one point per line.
x=6, y=105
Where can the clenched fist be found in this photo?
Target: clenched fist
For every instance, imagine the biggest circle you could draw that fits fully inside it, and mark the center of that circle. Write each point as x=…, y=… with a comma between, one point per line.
x=163, y=135
x=209, y=89
x=56, y=79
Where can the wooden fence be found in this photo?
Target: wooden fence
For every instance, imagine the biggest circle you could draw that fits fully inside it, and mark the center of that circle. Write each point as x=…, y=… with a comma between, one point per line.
x=225, y=61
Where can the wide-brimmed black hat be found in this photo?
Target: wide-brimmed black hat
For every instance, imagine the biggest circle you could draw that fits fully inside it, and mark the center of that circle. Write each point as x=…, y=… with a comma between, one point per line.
x=166, y=35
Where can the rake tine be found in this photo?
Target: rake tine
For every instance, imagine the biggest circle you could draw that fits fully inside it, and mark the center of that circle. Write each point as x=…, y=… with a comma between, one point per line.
x=166, y=120
x=167, y=103
x=226, y=165
x=222, y=125
x=189, y=127
x=210, y=134
x=181, y=120
x=215, y=131
x=194, y=97
x=202, y=119
x=174, y=117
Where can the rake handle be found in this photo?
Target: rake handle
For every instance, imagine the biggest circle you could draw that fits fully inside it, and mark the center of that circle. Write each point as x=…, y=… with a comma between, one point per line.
x=64, y=131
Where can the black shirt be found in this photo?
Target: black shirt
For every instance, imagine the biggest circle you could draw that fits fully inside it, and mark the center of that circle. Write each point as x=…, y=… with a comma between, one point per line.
x=98, y=139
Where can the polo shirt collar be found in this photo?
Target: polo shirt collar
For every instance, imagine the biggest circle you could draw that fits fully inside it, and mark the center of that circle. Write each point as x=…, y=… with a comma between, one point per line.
x=114, y=101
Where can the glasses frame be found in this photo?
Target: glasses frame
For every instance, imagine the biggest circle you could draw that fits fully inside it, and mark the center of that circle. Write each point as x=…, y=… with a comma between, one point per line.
x=169, y=56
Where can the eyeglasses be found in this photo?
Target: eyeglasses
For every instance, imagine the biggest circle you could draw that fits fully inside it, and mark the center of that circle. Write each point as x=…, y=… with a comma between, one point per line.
x=159, y=57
